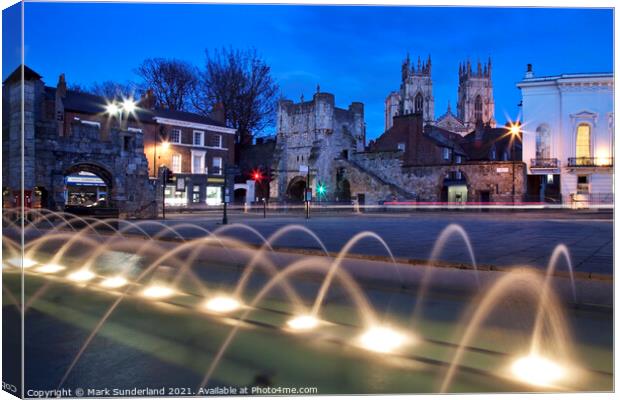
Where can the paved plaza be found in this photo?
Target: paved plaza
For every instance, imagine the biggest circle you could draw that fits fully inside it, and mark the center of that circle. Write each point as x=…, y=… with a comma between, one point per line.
x=500, y=239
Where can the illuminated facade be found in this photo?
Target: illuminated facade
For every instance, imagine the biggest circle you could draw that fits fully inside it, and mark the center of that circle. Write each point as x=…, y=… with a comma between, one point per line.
x=568, y=125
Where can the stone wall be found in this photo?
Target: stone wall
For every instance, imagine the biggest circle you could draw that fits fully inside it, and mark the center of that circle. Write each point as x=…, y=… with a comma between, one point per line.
x=425, y=183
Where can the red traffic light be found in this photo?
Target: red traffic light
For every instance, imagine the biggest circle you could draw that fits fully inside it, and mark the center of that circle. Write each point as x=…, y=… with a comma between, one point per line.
x=257, y=175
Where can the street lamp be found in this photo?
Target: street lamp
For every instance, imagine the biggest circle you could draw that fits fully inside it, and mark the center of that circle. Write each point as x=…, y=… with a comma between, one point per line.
x=514, y=130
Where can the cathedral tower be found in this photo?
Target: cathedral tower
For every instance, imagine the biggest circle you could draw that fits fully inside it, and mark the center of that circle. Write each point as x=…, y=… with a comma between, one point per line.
x=475, y=95
x=415, y=95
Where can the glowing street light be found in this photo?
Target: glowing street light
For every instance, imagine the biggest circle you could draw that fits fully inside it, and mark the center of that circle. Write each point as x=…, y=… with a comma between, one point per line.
x=514, y=129
x=129, y=105
x=112, y=109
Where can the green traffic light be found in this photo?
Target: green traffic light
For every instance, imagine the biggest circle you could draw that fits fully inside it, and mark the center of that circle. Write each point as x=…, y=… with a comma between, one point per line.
x=321, y=189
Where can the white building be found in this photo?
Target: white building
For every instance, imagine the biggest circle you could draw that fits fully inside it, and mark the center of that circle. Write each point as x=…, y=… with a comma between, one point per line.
x=568, y=124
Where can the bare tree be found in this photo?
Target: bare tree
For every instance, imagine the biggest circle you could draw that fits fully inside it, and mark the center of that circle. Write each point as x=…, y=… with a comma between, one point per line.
x=241, y=83
x=114, y=90
x=172, y=81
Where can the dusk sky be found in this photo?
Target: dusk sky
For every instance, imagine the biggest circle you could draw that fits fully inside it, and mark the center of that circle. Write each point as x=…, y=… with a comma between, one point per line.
x=352, y=52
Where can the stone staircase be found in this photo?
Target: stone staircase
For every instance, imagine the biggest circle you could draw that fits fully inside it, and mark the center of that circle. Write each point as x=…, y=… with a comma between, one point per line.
x=399, y=192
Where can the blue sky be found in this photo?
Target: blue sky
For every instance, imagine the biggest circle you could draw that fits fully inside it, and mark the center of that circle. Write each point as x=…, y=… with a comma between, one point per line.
x=353, y=52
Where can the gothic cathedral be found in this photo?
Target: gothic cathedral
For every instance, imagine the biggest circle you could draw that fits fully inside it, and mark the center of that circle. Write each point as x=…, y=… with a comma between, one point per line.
x=475, y=102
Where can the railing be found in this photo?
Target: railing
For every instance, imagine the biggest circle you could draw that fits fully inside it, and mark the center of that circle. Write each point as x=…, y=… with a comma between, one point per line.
x=544, y=163
x=591, y=162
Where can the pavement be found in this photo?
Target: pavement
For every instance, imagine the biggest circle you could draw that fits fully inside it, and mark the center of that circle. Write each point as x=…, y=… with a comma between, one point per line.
x=498, y=239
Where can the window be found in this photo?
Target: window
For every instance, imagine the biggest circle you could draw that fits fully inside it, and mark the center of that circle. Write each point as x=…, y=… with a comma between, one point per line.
x=214, y=195
x=215, y=141
x=126, y=143
x=478, y=109
x=176, y=163
x=550, y=179
x=583, y=141
x=419, y=103
x=583, y=186
x=446, y=153
x=458, y=159
x=172, y=197
x=401, y=146
x=505, y=156
x=175, y=136
x=543, y=142
x=196, y=194
x=493, y=154
x=217, y=165
x=198, y=138
x=198, y=162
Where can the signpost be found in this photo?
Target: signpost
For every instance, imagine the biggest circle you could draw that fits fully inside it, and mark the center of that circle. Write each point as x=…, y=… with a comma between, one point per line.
x=308, y=193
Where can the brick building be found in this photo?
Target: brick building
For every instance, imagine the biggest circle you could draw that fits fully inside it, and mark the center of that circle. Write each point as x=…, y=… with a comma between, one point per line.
x=196, y=149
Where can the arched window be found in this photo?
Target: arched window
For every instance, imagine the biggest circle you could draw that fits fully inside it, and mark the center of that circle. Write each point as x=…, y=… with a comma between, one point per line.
x=419, y=103
x=543, y=142
x=478, y=109
x=583, y=141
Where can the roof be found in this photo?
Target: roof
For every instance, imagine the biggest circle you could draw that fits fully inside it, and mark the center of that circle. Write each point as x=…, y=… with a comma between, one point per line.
x=594, y=76
x=187, y=117
x=444, y=138
x=16, y=75
x=478, y=144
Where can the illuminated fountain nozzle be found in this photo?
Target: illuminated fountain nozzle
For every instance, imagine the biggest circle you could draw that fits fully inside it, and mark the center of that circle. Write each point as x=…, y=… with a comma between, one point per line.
x=382, y=339
x=81, y=275
x=537, y=370
x=222, y=304
x=114, y=282
x=302, y=322
x=17, y=262
x=50, y=268
x=157, y=292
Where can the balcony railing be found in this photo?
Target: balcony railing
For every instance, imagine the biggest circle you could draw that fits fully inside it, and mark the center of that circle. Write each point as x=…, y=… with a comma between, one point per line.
x=591, y=162
x=544, y=163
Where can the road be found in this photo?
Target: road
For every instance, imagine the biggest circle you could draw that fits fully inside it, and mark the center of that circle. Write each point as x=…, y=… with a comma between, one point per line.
x=501, y=239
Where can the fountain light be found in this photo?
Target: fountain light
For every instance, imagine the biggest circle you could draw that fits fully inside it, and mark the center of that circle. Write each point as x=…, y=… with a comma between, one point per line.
x=382, y=339
x=537, y=370
x=18, y=263
x=114, y=282
x=81, y=275
x=302, y=322
x=157, y=292
x=50, y=268
x=222, y=304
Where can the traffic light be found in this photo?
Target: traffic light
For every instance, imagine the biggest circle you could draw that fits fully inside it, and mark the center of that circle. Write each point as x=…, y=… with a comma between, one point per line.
x=321, y=190
x=257, y=175
x=167, y=175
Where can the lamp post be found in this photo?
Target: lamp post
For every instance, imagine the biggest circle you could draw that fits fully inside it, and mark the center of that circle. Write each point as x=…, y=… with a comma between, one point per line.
x=514, y=130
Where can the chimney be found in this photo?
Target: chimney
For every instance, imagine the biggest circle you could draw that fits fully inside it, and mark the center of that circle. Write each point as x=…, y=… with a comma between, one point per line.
x=61, y=86
x=529, y=73
x=218, y=114
x=148, y=100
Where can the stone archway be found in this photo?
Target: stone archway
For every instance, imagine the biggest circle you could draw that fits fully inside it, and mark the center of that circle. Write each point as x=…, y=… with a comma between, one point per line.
x=296, y=188
x=88, y=185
